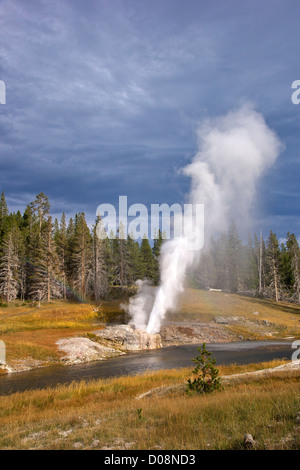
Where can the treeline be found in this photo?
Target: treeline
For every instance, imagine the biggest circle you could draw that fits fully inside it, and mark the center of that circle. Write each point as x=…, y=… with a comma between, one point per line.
x=262, y=267
x=43, y=259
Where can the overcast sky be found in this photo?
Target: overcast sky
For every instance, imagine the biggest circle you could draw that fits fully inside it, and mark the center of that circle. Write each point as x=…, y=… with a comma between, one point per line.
x=103, y=98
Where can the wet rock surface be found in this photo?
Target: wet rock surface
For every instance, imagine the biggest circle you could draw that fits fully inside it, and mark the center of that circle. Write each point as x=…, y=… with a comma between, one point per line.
x=104, y=344
x=130, y=338
x=78, y=350
x=22, y=365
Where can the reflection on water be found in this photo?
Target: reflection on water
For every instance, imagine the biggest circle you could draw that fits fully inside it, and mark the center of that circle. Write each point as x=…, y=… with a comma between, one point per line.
x=171, y=357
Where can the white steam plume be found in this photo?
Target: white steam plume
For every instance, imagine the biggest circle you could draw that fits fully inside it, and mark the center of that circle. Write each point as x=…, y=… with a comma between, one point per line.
x=234, y=151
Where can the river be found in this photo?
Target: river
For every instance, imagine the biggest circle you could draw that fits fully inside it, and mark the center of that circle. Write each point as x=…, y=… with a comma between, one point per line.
x=171, y=357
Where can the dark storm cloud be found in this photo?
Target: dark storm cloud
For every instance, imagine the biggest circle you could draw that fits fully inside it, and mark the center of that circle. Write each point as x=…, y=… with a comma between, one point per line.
x=103, y=98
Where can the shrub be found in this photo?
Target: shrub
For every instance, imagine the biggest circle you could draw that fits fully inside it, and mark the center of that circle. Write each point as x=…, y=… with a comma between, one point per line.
x=206, y=380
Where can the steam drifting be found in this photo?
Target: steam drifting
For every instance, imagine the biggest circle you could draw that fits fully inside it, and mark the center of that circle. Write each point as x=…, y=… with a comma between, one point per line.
x=234, y=151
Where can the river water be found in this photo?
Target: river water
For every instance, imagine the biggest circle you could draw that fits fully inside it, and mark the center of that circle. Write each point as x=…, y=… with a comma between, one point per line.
x=171, y=357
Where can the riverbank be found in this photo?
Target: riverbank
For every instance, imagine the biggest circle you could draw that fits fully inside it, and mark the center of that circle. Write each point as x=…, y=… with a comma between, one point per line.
x=140, y=362
x=106, y=414
x=32, y=335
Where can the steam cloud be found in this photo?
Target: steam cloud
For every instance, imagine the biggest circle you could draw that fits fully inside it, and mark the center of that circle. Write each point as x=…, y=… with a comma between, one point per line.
x=234, y=151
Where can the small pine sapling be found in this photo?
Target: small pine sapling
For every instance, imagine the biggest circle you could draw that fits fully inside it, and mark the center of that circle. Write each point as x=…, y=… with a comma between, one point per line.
x=206, y=380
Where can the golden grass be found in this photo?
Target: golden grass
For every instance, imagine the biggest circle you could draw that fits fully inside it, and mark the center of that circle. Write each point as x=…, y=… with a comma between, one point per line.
x=104, y=413
x=54, y=315
x=202, y=305
x=33, y=332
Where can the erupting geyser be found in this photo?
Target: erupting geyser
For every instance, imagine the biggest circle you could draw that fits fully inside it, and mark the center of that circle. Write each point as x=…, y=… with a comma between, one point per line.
x=234, y=151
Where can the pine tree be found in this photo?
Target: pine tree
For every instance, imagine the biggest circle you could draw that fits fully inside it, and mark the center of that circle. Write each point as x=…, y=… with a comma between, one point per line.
x=53, y=265
x=272, y=255
x=19, y=244
x=69, y=249
x=98, y=276
x=3, y=207
x=22, y=266
x=9, y=267
x=147, y=259
x=259, y=252
x=156, y=253
x=3, y=215
x=207, y=379
x=37, y=272
x=233, y=258
x=250, y=271
x=120, y=256
x=41, y=209
x=134, y=260
x=45, y=276
x=109, y=260
x=61, y=242
x=81, y=255
x=285, y=269
x=293, y=257
x=31, y=237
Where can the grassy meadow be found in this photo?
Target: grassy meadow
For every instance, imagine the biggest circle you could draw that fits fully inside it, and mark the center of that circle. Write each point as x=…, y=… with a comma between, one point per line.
x=31, y=332
x=282, y=319
x=106, y=414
